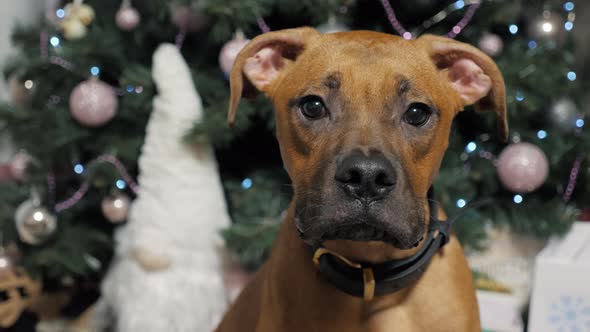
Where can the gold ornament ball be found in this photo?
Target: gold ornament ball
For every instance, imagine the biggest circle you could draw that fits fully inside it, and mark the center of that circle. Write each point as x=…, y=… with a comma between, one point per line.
x=82, y=12
x=34, y=223
x=73, y=29
x=116, y=208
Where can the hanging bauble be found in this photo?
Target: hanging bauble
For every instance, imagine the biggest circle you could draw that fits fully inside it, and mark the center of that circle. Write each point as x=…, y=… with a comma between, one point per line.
x=73, y=29
x=18, y=165
x=79, y=11
x=116, y=207
x=491, y=44
x=564, y=113
x=93, y=103
x=188, y=18
x=332, y=26
x=522, y=167
x=230, y=51
x=34, y=223
x=127, y=17
x=19, y=91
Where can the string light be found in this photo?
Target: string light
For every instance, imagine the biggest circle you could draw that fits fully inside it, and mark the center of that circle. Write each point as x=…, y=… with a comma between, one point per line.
x=28, y=84
x=78, y=169
x=120, y=184
x=568, y=26
x=580, y=123
x=459, y=4
x=568, y=6
x=247, y=183
x=541, y=134
x=517, y=199
x=471, y=146
x=94, y=71
x=461, y=203
x=519, y=96
x=513, y=28
x=130, y=88
x=571, y=75
x=532, y=44
x=60, y=13
x=547, y=27
x=54, y=41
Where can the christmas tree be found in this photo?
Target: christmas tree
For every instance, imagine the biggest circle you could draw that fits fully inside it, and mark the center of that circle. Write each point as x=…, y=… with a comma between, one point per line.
x=82, y=95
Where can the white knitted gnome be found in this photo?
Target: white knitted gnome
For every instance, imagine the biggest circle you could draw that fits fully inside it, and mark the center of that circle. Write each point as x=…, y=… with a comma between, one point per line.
x=167, y=273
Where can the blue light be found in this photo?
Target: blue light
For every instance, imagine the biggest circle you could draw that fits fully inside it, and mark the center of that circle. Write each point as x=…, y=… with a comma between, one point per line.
x=519, y=96
x=513, y=28
x=568, y=26
x=54, y=41
x=78, y=169
x=541, y=134
x=60, y=13
x=571, y=75
x=459, y=4
x=580, y=123
x=517, y=199
x=247, y=183
x=461, y=203
x=95, y=70
x=532, y=44
x=471, y=146
x=130, y=88
x=121, y=184
x=568, y=6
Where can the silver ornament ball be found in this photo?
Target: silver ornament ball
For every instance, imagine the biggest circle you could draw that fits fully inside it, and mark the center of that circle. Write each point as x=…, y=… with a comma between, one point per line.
x=34, y=223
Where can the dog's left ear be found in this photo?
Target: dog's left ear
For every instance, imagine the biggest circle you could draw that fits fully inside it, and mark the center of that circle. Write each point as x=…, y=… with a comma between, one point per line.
x=472, y=74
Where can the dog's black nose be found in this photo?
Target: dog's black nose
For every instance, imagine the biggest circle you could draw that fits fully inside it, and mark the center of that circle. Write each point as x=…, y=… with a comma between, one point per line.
x=366, y=177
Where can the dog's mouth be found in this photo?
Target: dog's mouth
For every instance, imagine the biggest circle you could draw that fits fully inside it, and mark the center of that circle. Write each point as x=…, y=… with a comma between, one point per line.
x=359, y=232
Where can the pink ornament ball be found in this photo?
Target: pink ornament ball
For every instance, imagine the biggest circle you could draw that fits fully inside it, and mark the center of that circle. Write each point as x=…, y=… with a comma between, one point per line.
x=522, y=167
x=93, y=103
x=188, y=18
x=127, y=18
x=491, y=44
x=229, y=52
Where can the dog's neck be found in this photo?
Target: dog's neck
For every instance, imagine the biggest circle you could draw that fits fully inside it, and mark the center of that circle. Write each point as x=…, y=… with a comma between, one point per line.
x=301, y=288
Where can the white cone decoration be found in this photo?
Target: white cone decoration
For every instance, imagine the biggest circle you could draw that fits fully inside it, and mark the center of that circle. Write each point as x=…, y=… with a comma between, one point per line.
x=167, y=275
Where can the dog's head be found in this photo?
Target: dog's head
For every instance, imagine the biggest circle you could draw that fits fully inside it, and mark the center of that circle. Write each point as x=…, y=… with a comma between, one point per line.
x=363, y=120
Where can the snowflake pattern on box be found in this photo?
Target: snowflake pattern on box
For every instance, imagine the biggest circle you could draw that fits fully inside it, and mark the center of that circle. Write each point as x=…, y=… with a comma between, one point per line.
x=570, y=314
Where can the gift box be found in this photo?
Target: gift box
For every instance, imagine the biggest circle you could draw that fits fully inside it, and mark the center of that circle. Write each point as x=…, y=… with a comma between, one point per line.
x=560, y=300
x=499, y=312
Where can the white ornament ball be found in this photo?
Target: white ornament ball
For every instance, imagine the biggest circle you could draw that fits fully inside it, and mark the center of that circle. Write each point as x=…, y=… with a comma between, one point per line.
x=491, y=44
x=34, y=223
x=230, y=51
x=73, y=29
x=127, y=18
x=93, y=103
x=522, y=167
x=116, y=208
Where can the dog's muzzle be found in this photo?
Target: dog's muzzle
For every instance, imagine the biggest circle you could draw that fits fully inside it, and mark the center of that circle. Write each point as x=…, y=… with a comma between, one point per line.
x=368, y=280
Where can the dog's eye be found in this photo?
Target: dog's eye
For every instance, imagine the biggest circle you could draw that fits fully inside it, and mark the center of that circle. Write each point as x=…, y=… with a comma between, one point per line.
x=417, y=114
x=312, y=107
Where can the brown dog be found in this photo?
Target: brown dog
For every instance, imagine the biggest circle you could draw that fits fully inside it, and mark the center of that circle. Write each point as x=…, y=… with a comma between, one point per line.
x=363, y=120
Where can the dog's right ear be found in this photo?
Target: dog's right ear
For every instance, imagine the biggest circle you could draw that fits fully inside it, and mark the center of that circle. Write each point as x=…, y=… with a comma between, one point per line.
x=261, y=61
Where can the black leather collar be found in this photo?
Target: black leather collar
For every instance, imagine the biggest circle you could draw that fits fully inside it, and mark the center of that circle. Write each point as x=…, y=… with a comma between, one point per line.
x=367, y=280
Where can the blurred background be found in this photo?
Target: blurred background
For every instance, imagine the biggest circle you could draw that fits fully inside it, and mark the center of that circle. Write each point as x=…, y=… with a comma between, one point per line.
x=121, y=186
